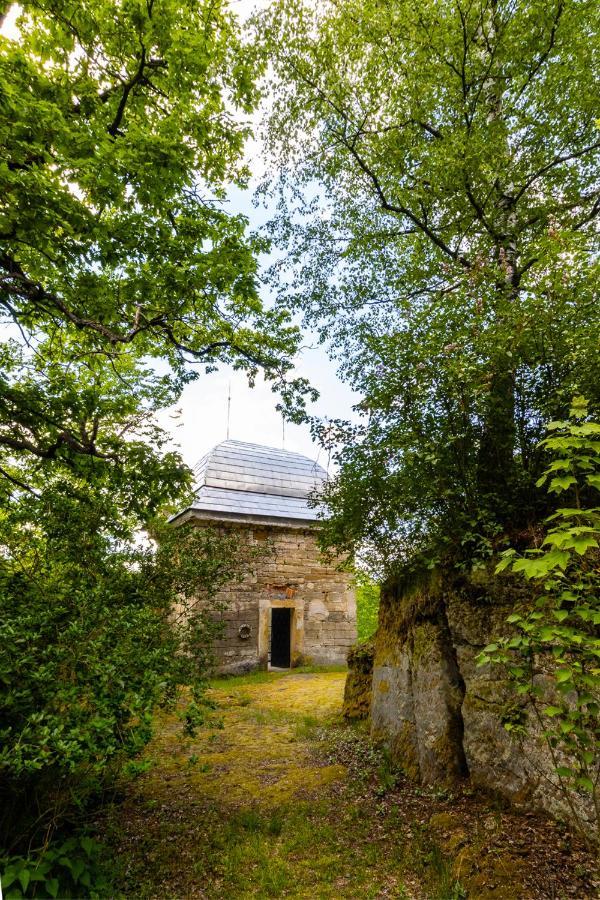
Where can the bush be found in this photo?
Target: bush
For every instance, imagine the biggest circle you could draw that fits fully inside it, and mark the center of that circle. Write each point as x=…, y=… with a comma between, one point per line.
x=554, y=659
x=90, y=646
x=367, y=606
x=71, y=868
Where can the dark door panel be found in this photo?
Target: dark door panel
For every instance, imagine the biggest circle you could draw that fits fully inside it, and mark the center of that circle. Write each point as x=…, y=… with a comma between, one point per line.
x=281, y=621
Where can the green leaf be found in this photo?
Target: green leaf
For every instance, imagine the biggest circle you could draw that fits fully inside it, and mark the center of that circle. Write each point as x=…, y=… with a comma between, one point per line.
x=52, y=885
x=541, y=565
x=581, y=544
x=24, y=877
x=89, y=845
x=9, y=876
x=586, y=783
x=77, y=867
x=553, y=711
x=562, y=483
x=563, y=675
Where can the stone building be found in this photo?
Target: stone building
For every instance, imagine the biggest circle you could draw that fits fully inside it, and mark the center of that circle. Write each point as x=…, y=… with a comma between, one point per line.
x=294, y=607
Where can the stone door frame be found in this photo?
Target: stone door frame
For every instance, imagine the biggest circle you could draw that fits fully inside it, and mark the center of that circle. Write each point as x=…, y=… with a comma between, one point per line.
x=266, y=604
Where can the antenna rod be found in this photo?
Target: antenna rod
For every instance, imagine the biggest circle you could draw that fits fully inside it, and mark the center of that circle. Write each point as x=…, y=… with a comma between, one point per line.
x=228, y=408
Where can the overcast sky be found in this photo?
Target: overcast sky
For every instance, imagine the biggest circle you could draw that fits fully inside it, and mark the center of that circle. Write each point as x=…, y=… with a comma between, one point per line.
x=203, y=408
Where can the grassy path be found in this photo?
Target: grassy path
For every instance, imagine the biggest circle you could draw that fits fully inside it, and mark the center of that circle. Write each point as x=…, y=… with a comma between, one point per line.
x=277, y=798
x=248, y=808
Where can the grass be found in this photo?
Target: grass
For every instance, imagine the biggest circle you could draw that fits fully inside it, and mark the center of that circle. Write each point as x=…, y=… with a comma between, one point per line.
x=287, y=800
x=223, y=682
x=255, y=809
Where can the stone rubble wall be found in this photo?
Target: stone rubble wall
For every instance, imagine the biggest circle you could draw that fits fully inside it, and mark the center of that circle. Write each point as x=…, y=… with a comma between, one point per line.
x=439, y=713
x=292, y=574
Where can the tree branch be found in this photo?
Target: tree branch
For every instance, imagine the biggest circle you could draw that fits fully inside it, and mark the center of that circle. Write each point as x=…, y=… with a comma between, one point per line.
x=18, y=483
x=127, y=88
x=566, y=157
x=399, y=209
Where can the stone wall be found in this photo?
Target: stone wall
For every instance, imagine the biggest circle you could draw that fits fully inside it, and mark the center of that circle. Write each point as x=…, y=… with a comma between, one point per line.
x=291, y=574
x=439, y=713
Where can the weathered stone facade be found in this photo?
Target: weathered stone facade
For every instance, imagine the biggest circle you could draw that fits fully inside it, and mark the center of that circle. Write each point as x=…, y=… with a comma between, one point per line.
x=293, y=576
x=441, y=714
x=265, y=495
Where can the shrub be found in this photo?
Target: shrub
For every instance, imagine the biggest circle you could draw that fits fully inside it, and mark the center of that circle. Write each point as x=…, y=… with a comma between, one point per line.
x=559, y=637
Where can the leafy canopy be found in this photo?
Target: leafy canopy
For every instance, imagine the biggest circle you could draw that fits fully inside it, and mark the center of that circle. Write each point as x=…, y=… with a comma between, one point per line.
x=437, y=205
x=121, y=125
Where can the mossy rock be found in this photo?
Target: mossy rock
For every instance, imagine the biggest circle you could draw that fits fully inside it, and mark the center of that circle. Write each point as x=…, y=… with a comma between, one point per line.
x=404, y=751
x=361, y=656
x=442, y=821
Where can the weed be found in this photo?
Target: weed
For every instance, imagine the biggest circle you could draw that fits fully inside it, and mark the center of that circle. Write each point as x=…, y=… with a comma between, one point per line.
x=136, y=767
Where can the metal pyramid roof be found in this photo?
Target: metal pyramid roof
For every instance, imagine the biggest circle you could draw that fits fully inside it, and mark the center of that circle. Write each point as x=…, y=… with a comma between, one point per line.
x=247, y=482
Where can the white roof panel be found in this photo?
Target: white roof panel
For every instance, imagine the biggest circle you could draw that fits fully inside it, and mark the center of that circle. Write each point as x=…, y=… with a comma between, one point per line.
x=241, y=480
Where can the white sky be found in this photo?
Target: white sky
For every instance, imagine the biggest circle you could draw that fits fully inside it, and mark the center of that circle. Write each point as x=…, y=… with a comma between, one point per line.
x=200, y=419
x=202, y=422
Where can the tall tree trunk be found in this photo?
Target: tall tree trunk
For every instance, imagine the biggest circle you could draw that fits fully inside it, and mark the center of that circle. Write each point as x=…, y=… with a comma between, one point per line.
x=496, y=458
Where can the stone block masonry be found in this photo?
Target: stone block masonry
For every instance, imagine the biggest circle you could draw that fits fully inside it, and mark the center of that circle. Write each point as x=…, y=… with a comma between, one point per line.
x=292, y=574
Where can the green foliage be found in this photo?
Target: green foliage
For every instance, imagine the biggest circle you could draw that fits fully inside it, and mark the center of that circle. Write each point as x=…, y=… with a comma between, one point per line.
x=72, y=868
x=436, y=215
x=554, y=658
x=121, y=126
x=91, y=643
x=367, y=606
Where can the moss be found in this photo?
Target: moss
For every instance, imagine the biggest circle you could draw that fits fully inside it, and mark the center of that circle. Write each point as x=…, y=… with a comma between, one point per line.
x=357, y=696
x=443, y=821
x=447, y=749
x=361, y=656
x=359, y=683
x=487, y=876
x=404, y=751
x=425, y=640
x=233, y=761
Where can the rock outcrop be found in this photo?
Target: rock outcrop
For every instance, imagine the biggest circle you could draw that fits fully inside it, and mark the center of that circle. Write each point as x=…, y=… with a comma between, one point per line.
x=440, y=714
x=357, y=691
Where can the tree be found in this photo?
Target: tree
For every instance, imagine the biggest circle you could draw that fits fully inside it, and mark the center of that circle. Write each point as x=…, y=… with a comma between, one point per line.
x=121, y=124
x=437, y=203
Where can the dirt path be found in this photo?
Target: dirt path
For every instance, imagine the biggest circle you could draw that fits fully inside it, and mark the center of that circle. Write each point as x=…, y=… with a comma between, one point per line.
x=275, y=797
